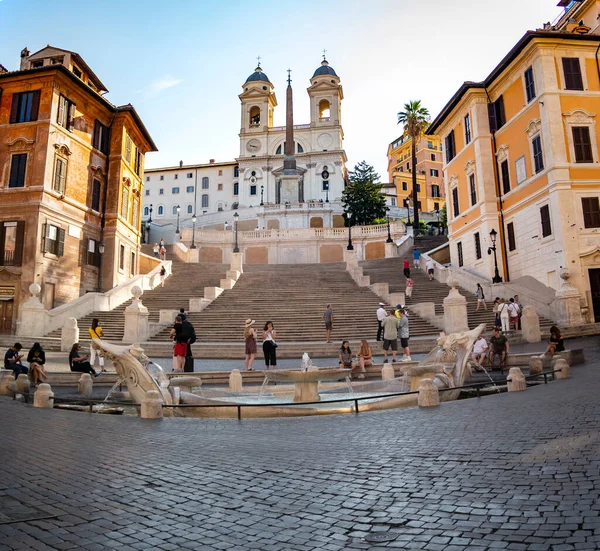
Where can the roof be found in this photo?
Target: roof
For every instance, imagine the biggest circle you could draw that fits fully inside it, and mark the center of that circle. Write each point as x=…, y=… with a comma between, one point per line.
x=506, y=61
x=84, y=86
x=258, y=75
x=3, y=69
x=324, y=69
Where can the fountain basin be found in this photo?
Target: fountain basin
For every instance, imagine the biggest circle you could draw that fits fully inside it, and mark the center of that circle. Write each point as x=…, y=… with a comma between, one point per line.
x=307, y=382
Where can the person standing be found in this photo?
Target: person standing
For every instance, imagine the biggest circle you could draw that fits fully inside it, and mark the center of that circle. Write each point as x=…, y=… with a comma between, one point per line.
x=188, y=335
x=36, y=359
x=409, y=287
x=183, y=314
x=156, y=250
x=406, y=269
x=162, y=242
x=96, y=333
x=79, y=363
x=513, y=312
x=12, y=360
x=480, y=298
x=328, y=319
x=270, y=345
x=381, y=313
x=390, y=336
x=519, y=310
x=417, y=258
x=403, y=335
x=163, y=253
x=163, y=275
x=504, y=315
x=250, y=342
x=430, y=266
x=495, y=310
x=179, y=346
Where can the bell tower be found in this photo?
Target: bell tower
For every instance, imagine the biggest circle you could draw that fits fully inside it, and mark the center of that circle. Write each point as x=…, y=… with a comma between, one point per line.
x=258, y=102
x=325, y=92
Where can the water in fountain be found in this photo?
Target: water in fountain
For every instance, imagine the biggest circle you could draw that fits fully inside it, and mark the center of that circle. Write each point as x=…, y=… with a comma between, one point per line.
x=264, y=385
x=306, y=363
x=349, y=384
x=490, y=378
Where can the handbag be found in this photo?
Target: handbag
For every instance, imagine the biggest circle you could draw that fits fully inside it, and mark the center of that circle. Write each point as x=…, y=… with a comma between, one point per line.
x=274, y=344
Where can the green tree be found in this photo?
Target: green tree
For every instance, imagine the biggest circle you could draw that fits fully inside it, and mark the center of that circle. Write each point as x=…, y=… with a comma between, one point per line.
x=415, y=119
x=362, y=197
x=443, y=217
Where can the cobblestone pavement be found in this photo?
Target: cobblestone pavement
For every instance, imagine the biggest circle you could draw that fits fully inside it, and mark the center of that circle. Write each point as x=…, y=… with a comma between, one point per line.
x=515, y=471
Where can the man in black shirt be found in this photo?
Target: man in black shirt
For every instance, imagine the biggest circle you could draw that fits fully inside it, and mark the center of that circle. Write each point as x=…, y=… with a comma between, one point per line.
x=499, y=348
x=12, y=360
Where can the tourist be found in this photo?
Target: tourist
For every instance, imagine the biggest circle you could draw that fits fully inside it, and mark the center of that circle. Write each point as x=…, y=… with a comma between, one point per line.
x=390, y=336
x=250, y=340
x=504, y=315
x=496, y=314
x=345, y=356
x=188, y=334
x=162, y=242
x=182, y=314
x=513, y=312
x=499, y=348
x=430, y=266
x=519, y=310
x=556, y=342
x=163, y=253
x=36, y=359
x=403, y=335
x=12, y=360
x=480, y=298
x=270, y=345
x=79, y=363
x=406, y=268
x=381, y=313
x=365, y=358
x=96, y=333
x=409, y=287
x=417, y=258
x=479, y=353
x=328, y=319
x=156, y=249
x=179, y=346
x=163, y=275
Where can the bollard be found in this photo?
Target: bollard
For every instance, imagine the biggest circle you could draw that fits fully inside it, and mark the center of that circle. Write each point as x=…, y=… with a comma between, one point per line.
x=387, y=372
x=7, y=377
x=151, y=407
x=429, y=395
x=23, y=384
x=516, y=380
x=85, y=385
x=563, y=371
x=43, y=397
x=555, y=358
x=235, y=381
x=535, y=365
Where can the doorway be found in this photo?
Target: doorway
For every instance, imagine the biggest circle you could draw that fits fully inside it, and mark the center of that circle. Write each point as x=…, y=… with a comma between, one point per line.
x=594, y=275
x=6, y=316
x=48, y=298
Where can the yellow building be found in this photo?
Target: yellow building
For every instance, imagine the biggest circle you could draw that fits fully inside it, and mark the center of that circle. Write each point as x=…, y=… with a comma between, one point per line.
x=429, y=171
x=521, y=158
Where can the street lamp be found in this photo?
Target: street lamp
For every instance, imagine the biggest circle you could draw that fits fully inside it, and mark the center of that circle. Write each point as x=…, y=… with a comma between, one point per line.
x=349, y=218
x=407, y=205
x=262, y=191
x=193, y=246
x=236, y=249
x=178, y=210
x=387, y=215
x=496, y=278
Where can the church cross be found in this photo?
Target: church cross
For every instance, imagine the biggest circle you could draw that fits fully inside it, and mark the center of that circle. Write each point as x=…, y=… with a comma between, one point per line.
x=258, y=59
x=324, y=52
x=289, y=77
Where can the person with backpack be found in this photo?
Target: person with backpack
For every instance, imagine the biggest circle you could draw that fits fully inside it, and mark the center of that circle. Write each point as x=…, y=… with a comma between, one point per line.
x=188, y=336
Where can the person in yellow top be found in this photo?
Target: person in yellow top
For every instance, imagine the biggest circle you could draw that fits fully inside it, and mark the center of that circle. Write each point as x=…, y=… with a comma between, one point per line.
x=96, y=333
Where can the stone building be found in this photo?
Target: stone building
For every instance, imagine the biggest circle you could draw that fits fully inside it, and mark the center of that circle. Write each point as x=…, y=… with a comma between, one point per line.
x=521, y=159
x=71, y=180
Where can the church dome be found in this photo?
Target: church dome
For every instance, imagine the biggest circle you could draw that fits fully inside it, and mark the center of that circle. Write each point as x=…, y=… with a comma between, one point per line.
x=257, y=75
x=324, y=70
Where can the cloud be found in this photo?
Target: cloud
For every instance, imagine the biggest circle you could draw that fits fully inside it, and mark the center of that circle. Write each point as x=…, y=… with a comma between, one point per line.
x=160, y=85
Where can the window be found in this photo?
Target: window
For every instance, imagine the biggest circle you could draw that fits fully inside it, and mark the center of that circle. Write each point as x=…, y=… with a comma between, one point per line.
x=190, y=174
x=11, y=243
x=17, y=170
x=147, y=178
x=278, y=151
x=138, y=162
x=205, y=201
x=174, y=210
x=125, y=203
x=436, y=206
x=219, y=187
x=472, y=189
x=161, y=210
x=430, y=145
x=93, y=253
x=236, y=171
x=101, y=140
x=161, y=191
x=505, y=176
x=545, y=218
x=435, y=190
x=582, y=144
x=132, y=264
x=300, y=149
x=77, y=72
x=496, y=114
x=60, y=175
x=572, y=71
x=54, y=240
x=529, y=84
x=455, y=205
x=220, y=173
x=175, y=191
x=146, y=211
x=433, y=156
x=135, y=209
x=510, y=230
x=434, y=172
x=236, y=188
x=66, y=113
x=147, y=192
x=205, y=182
x=418, y=188
x=128, y=145
x=96, y=187
x=162, y=177
x=591, y=212
x=460, y=254
x=538, y=158
x=122, y=257
x=189, y=189
x=325, y=186
x=25, y=107
x=252, y=190
x=190, y=209
x=176, y=177
x=450, y=147
x=477, y=246
x=467, y=129
x=393, y=201
x=418, y=205
x=404, y=186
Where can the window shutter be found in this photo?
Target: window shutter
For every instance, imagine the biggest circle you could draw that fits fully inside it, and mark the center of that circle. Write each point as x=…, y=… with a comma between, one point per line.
x=510, y=229
x=35, y=105
x=14, y=109
x=45, y=240
x=71, y=114
x=60, y=117
x=96, y=143
x=492, y=117
x=105, y=140
x=60, y=249
x=500, y=115
x=2, y=237
x=18, y=259
x=505, y=176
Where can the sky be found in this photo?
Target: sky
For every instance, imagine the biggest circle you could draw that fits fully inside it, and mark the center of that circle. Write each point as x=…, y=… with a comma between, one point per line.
x=182, y=63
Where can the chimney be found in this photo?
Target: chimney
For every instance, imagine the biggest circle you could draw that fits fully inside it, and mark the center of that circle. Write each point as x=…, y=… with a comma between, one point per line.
x=25, y=52
x=180, y=164
x=211, y=161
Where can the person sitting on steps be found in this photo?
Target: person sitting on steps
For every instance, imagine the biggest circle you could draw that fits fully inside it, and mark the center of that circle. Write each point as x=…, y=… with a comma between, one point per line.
x=79, y=363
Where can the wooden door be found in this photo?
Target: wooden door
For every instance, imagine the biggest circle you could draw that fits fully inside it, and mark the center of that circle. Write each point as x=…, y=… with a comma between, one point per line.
x=595, y=288
x=6, y=315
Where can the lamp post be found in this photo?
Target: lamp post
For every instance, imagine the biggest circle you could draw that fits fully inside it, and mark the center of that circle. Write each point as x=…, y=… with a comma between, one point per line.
x=327, y=194
x=407, y=205
x=101, y=253
x=148, y=223
x=236, y=249
x=193, y=246
x=387, y=215
x=349, y=218
x=262, y=191
x=496, y=278
x=178, y=211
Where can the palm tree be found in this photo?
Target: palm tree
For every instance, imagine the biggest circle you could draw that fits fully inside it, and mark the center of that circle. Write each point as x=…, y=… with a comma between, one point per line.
x=415, y=119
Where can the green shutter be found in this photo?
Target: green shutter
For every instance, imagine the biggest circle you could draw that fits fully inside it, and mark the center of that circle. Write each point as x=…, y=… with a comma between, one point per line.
x=60, y=249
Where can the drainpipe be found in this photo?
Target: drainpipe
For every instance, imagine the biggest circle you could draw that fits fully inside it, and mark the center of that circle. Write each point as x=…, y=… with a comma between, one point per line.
x=500, y=205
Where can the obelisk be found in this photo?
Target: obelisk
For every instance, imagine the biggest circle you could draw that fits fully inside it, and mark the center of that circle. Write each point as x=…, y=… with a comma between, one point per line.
x=290, y=179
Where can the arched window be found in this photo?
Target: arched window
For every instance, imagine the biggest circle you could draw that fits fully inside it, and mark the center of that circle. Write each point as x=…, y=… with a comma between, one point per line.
x=281, y=148
x=205, y=182
x=236, y=188
x=300, y=149
x=324, y=111
x=190, y=209
x=255, y=116
x=236, y=171
x=220, y=206
x=278, y=152
x=174, y=209
x=161, y=210
x=205, y=201
x=146, y=211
